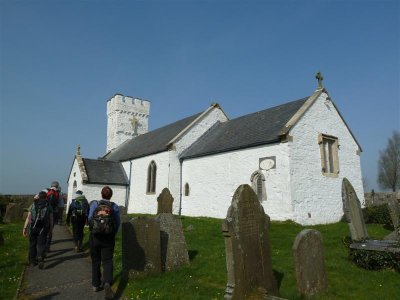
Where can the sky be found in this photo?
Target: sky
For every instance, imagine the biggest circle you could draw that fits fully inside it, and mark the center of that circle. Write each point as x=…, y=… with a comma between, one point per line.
x=60, y=61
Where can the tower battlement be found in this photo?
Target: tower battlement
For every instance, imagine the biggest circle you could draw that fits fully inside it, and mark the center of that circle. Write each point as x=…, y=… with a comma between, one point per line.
x=127, y=117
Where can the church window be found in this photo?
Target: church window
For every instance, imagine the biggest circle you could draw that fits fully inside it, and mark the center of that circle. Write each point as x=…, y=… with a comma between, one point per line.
x=151, y=178
x=258, y=184
x=74, y=187
x=329, y=155
x=187, y=191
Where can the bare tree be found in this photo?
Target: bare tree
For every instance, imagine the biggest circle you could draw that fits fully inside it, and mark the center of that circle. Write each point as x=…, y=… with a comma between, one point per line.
x=389, y=164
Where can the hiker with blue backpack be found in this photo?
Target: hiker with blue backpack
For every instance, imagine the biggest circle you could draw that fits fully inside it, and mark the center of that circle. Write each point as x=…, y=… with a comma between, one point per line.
x=37, y=225
x=78, y=212
x=104, y=221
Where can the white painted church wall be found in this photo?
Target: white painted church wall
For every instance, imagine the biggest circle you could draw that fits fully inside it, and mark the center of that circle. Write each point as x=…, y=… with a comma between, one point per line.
x=317, y=198
x=139, y=200
x=213, y=180
x=92, y=191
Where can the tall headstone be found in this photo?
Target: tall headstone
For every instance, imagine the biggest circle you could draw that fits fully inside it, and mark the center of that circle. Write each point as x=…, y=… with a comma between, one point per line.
x=353, y=213
x=174, y=253
x=141, y=247
x=165, y=201
x=248, y=254
x=309, y=263
x=394, y=210
x=14, y=213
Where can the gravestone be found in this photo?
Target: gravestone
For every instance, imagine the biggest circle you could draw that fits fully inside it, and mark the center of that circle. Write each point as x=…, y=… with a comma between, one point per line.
x=14, y=213
x=174, y=253
x=247, y=247
x=394, y=210
x=141, y=247
x=309, y=263
x=123, y=213
x=353, y=213
x=165, y=201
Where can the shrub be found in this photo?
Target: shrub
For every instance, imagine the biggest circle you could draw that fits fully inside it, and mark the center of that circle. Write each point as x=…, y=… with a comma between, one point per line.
x=378, y=215
x=375, y=260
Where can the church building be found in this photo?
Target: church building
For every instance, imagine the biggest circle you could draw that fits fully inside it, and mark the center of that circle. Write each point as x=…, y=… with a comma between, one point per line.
x=294, y=155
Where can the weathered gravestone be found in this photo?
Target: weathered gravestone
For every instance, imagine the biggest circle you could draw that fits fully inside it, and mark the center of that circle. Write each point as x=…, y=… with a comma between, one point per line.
x=353, y=213
x=174, y=254
x=309, y=263
x=123, y=213
x=394, y=210
x=165, y=201
x=141, y=247
x=358, y=230
x=14, y=213
x=248, y=254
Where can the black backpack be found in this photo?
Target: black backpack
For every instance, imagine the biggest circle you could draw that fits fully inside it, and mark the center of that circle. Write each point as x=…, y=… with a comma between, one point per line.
x=40, y=214
x=103, y=222
x=80, y=207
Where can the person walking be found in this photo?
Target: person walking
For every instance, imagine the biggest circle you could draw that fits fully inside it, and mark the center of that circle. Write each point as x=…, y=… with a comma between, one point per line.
x=78, y=212
x=60, y=206
x=104, y=221
x=37, y=225
x=52, y=198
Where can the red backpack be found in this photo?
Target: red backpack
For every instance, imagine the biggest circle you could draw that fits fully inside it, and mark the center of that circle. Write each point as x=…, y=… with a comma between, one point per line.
x=52, y=197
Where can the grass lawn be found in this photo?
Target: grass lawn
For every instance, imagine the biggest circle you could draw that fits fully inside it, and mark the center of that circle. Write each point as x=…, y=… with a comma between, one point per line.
x=13, y=257
x=205, y=278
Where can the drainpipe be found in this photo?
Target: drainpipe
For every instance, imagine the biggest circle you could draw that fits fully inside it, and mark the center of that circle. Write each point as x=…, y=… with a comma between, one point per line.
x=180, y=187
x=128, y=188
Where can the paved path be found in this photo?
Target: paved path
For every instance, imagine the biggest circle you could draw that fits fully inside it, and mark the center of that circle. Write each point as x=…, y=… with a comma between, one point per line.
x=66, y=274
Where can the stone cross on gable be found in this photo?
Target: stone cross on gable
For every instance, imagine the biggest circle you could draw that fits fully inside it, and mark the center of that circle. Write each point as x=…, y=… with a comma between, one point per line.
x=319, y=78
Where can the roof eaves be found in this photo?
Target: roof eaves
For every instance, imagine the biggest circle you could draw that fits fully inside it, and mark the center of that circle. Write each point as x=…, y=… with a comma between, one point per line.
x=277, y=140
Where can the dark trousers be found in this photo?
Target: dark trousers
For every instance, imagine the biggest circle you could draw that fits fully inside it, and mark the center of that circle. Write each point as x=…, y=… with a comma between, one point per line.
x=78, y=224
x=37, y=244
x=101, y=252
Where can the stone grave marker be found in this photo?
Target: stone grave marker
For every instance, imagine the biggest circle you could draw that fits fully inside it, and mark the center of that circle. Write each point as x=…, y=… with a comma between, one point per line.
x=165, y=201
x=14, y=213
x=309, y=263
x=141, y=247
x=394, y=210
x=123, y=213
x=353, y=213
x=174, y=253
x=247, y=247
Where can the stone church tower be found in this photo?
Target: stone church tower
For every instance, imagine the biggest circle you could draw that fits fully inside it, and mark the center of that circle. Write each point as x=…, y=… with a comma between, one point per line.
x=127, y=118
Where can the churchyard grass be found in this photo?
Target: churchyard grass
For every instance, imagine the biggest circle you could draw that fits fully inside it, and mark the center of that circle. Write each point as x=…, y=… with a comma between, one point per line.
x=13, y=257
x=205, y=278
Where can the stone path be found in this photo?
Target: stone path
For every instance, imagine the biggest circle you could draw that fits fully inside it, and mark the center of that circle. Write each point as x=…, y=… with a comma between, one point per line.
x=66, y=274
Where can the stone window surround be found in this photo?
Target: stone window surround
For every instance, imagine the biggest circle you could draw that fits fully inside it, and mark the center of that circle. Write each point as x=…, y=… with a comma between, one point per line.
x=255, y=181
x=322, y=139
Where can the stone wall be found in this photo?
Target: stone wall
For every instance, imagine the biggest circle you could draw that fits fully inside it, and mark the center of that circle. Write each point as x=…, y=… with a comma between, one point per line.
x=376, y=199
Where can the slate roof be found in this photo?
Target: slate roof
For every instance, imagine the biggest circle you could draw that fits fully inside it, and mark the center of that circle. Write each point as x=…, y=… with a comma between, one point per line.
x=258, y=128
x=101, y=171
x=149, y=143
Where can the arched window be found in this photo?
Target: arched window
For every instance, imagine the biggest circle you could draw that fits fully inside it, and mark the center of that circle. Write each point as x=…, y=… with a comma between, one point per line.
x=258, y=184
x=151, y=177
x=187, y=191
x=74, y=188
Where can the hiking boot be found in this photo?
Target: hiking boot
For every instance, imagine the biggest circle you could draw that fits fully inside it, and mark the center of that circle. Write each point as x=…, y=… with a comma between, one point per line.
x=41, y=265
x=108, y=291
x=96, y=288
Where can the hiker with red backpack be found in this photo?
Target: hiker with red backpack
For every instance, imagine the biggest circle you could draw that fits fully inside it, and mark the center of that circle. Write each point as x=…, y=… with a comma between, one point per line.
x=78, y=212
x=52, y=198
x=104, y=221
x=37, y=225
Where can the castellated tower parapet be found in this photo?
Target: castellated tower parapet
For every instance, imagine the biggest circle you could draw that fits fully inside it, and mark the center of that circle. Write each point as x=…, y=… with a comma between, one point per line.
x=127, y=118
